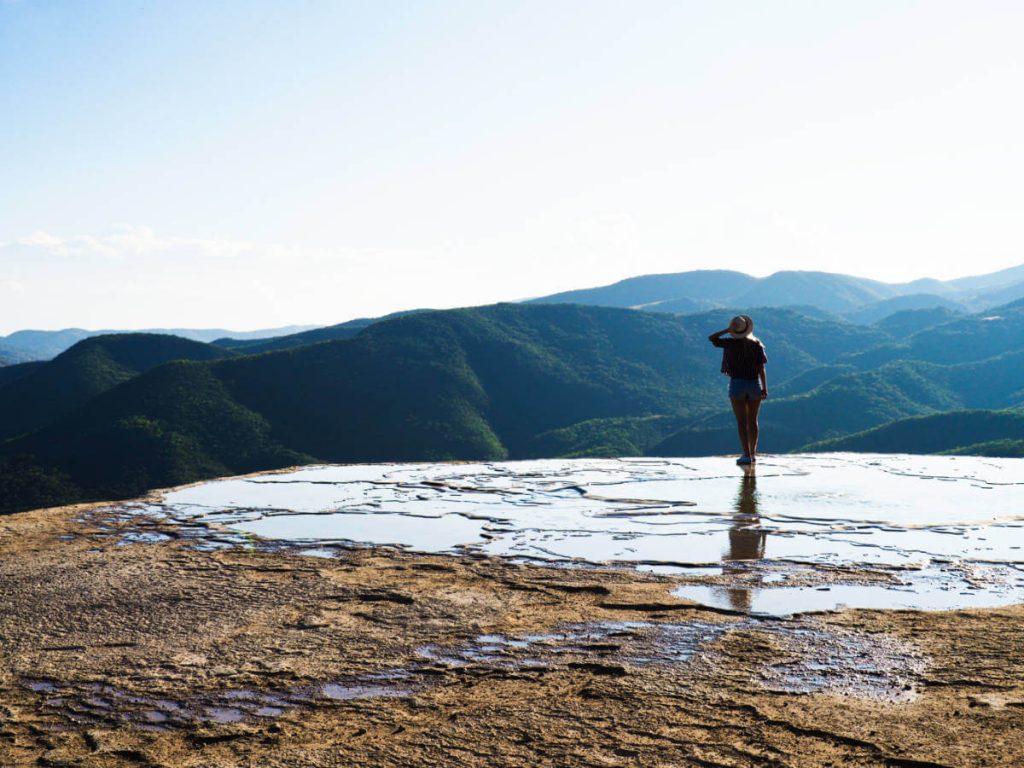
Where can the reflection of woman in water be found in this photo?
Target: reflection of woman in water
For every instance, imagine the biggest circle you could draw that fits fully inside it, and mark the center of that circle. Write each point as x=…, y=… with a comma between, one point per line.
x=743, y=360
x=746, y=537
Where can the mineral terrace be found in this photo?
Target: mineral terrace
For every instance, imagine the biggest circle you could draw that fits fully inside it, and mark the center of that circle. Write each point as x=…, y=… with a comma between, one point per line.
x=822, y=610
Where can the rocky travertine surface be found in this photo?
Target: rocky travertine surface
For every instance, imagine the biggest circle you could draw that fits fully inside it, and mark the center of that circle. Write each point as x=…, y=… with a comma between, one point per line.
x=157, y=633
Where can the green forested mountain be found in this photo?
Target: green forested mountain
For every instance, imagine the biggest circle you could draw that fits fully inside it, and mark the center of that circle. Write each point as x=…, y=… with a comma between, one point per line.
x=962, y=339
x=970, y=431
x=617, y=436
x=836, y=400
x=1008, y=448
x=9, y=373
x=37, y=394
x=476, y=383
x=907, y=322
x=172, y=424
x=847, y=403
x=116, y=415
x=925, y=306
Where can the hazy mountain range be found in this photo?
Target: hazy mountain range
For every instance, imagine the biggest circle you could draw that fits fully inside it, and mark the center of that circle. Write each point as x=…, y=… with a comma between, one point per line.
x=23, y=346
x=117, y=414
x=857, y=298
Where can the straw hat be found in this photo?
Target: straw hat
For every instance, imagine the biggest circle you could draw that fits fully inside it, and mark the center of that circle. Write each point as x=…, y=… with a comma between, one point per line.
x=741, y=326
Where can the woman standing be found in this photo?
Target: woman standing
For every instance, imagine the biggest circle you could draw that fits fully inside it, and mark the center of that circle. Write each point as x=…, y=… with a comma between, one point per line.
x=743, y=360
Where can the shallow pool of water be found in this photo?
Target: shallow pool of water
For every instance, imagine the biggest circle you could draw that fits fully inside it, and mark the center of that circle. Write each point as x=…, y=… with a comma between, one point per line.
x=937, y=521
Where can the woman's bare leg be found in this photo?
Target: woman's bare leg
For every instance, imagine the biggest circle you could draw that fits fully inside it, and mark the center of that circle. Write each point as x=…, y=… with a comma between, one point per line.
x=739, y=408
x=751, y=408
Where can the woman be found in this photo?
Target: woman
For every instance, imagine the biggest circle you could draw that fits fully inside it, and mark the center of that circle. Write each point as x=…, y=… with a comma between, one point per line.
x=743, y=360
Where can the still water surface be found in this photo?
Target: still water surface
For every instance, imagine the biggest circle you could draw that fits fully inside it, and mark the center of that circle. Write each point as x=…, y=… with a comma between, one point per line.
x=914, y=531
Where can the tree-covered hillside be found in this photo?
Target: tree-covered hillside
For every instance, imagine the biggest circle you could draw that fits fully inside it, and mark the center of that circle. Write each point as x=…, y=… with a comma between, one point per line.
x=923, y=305
x=839, y=399
x=9, y=373
x=907, y=322
x=963, y=339
x=38, y=394
x=968, y=431
x=115, y=416
x=480, y=383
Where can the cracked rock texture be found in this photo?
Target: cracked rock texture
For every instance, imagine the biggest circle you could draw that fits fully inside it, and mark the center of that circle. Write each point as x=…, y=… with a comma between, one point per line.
x=154, y=653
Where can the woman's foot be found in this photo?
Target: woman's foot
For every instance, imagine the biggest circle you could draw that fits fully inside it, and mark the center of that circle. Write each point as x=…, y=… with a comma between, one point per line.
x=744, y=459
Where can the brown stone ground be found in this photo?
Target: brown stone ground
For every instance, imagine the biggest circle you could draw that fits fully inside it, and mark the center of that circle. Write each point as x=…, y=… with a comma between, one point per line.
x=103, y=630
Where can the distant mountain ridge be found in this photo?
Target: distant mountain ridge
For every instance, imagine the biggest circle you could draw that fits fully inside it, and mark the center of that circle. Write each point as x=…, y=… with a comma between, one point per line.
x=858, y=299
x=27, y=345
x=346, y=330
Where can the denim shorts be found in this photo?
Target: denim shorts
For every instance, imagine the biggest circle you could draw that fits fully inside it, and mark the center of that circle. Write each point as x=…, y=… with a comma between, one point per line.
x=744, y=389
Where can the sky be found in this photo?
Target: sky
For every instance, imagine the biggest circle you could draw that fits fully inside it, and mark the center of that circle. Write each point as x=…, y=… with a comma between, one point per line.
x=248, y=164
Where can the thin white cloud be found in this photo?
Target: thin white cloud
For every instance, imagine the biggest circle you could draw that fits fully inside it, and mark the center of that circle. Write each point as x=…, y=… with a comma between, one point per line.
x=133, y=277
x=127, y=240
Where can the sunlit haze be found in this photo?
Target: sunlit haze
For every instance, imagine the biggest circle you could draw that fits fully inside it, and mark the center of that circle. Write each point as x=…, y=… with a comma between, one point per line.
x=254, y=164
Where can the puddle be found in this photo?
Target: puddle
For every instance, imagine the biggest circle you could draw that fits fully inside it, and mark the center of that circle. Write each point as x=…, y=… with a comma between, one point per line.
x=83, y=704
x=136, y=537
x=935, y=520
x=440, y=534
x=937, y=594
x=224, y=715
x=323, y=552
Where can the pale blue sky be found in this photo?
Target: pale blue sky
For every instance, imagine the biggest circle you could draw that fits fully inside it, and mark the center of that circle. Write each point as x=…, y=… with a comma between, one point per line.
x=250, y=164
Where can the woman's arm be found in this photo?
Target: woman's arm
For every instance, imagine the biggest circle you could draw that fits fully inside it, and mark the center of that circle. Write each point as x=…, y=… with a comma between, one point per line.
x=762, y=374
x=715, y=338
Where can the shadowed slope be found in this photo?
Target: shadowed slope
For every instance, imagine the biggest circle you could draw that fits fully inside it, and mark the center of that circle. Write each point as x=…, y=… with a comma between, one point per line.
x=9, y=373
x=92, y=366
x=959, y=432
